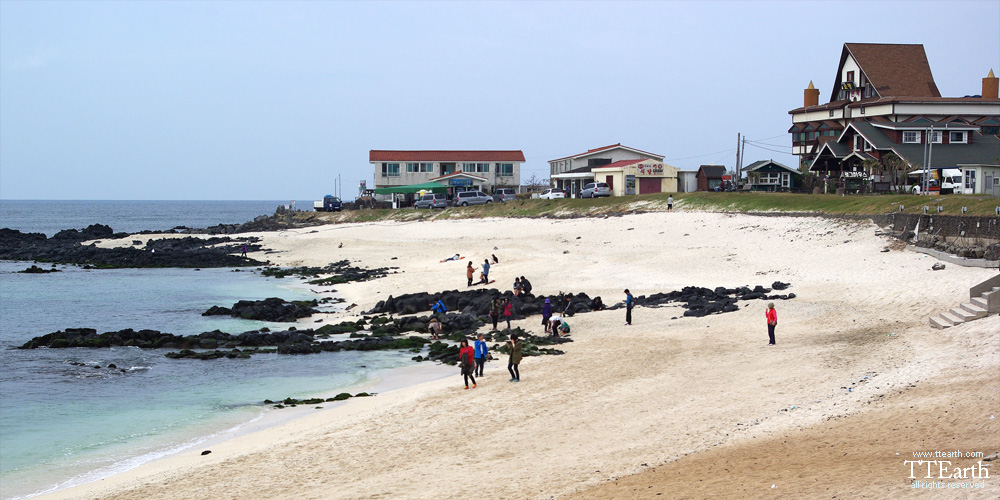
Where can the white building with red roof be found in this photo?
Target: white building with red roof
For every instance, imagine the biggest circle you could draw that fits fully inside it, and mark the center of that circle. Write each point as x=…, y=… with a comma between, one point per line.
x=484, y=170
x=573, y=172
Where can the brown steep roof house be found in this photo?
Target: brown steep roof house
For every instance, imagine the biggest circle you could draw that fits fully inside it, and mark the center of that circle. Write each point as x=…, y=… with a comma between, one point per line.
x=893, y=69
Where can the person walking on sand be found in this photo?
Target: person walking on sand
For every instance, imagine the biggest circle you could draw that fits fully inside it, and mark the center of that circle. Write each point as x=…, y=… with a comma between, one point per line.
x=470, y=272
x=772, y=320
x=670, y=202
x=244, y=250
x=629, y=303
x=467, y=363
x=482, y=354
x=508, y=311
x=546, y=314
x=496, y=309
x=514, y=346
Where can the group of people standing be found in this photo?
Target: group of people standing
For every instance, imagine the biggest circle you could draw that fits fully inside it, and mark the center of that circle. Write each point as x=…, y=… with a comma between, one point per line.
x=484, y=276
x=472, y=360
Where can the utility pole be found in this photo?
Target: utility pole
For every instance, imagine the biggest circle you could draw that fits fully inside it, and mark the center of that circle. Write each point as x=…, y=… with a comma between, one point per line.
x=739, y=176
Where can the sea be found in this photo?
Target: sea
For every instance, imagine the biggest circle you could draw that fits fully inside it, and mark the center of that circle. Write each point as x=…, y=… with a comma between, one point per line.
x=66, y=418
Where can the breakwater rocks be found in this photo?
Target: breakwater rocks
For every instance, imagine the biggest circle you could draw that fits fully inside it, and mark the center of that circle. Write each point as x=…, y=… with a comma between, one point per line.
x=339, y=272
x=67, y=247
x=270, y=309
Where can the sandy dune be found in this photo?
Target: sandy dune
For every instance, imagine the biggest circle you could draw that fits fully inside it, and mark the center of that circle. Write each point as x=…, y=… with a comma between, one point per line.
x=703, y=401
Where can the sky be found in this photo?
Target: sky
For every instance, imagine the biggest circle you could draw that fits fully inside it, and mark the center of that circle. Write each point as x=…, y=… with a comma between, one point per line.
x=277, y=100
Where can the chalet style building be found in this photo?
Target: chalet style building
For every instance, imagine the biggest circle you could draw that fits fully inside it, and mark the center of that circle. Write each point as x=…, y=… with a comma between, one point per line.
x=458, y=170
x=884, y=100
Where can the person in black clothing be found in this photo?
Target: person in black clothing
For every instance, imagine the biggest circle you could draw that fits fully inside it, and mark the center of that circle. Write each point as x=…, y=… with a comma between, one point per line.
x=525, y=285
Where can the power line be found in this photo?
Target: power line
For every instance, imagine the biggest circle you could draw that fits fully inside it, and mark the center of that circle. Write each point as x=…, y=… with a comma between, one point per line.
x=769, y=138
x=767, y=144
x=769, y=149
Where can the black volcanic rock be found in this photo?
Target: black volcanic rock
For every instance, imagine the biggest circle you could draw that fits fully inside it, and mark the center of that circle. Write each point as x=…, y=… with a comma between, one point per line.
x=270, y=309
x=66, y=247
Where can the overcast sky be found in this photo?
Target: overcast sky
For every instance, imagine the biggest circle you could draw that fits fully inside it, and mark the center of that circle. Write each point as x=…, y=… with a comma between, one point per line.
x=259, y=100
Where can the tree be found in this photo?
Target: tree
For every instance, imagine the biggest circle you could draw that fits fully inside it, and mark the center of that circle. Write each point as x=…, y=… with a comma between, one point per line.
x=534, y=183
x=896, y=168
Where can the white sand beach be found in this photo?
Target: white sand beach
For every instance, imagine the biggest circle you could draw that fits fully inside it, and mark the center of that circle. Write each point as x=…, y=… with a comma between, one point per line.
x=671, y=407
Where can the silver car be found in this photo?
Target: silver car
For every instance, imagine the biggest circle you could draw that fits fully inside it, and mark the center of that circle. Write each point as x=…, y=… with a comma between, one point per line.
x=504, y=194
x=431, y=201
x=595, y=189
x=466, y=198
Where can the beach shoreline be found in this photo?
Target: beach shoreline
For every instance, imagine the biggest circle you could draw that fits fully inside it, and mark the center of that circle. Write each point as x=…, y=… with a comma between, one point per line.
x=667, y=387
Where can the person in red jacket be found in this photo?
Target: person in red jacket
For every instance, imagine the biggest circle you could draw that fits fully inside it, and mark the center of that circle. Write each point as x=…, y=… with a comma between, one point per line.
x=508, y=311
x=467, y=362
x=772, y=321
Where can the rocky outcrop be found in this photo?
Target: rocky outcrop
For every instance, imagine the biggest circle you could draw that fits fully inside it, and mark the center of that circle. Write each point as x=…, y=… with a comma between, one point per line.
x=38, y=270
x=332, y=274
x=66, y=247
x=270, y=309
x=699, y=301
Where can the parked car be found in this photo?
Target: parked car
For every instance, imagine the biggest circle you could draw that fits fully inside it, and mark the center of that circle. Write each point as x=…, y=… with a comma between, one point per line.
x=595, y=189
x=466, y=198
x=552, y=194
x=332, y=204
x=431, y=201
x=504, y=194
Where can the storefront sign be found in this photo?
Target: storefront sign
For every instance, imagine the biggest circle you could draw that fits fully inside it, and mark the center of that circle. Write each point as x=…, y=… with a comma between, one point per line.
x=629, y=184
x=853, y=175
x=644, y=169
x=459, y=182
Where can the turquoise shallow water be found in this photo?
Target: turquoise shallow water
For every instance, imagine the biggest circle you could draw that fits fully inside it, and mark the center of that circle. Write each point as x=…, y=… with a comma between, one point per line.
x=61, y=423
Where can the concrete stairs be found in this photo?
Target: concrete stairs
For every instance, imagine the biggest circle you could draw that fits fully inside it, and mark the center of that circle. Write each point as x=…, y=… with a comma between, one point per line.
x=975, y=308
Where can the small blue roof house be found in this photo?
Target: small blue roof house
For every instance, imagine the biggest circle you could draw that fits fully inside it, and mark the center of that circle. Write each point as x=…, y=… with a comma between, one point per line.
x=769, y=175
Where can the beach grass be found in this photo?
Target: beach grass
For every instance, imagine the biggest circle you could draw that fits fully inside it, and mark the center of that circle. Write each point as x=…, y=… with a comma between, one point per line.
x=829, y=204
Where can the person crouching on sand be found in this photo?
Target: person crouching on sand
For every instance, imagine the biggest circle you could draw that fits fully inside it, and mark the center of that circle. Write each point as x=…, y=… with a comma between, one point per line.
x=435, y=327
x=467, y=362
x=514, y=345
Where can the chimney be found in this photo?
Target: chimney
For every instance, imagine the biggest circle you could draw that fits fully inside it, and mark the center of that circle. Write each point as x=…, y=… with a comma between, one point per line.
x=811, y=94
x=990, y=86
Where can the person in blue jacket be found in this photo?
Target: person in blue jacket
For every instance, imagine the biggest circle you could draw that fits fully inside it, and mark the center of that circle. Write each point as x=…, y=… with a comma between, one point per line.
x=486, y=272
x=482, y=353
x=439, y=307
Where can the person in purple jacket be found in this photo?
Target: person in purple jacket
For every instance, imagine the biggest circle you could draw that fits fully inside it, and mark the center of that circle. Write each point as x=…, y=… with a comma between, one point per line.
x=546, y=314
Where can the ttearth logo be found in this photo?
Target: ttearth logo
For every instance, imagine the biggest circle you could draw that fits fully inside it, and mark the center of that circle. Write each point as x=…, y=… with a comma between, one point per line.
x=940, y=469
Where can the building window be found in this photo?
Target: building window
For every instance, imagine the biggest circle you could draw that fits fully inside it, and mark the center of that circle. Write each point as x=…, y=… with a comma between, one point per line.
x=420, y=167
x=858, y=141
x=991, y=130
x=476, y=167
x=850, y=76
x=390, y=170
x=773, y=178
x=505, y=169
x=910, y=137
x=956, y=137
x=935, y=137
x=831, y=113
x=862, y=110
